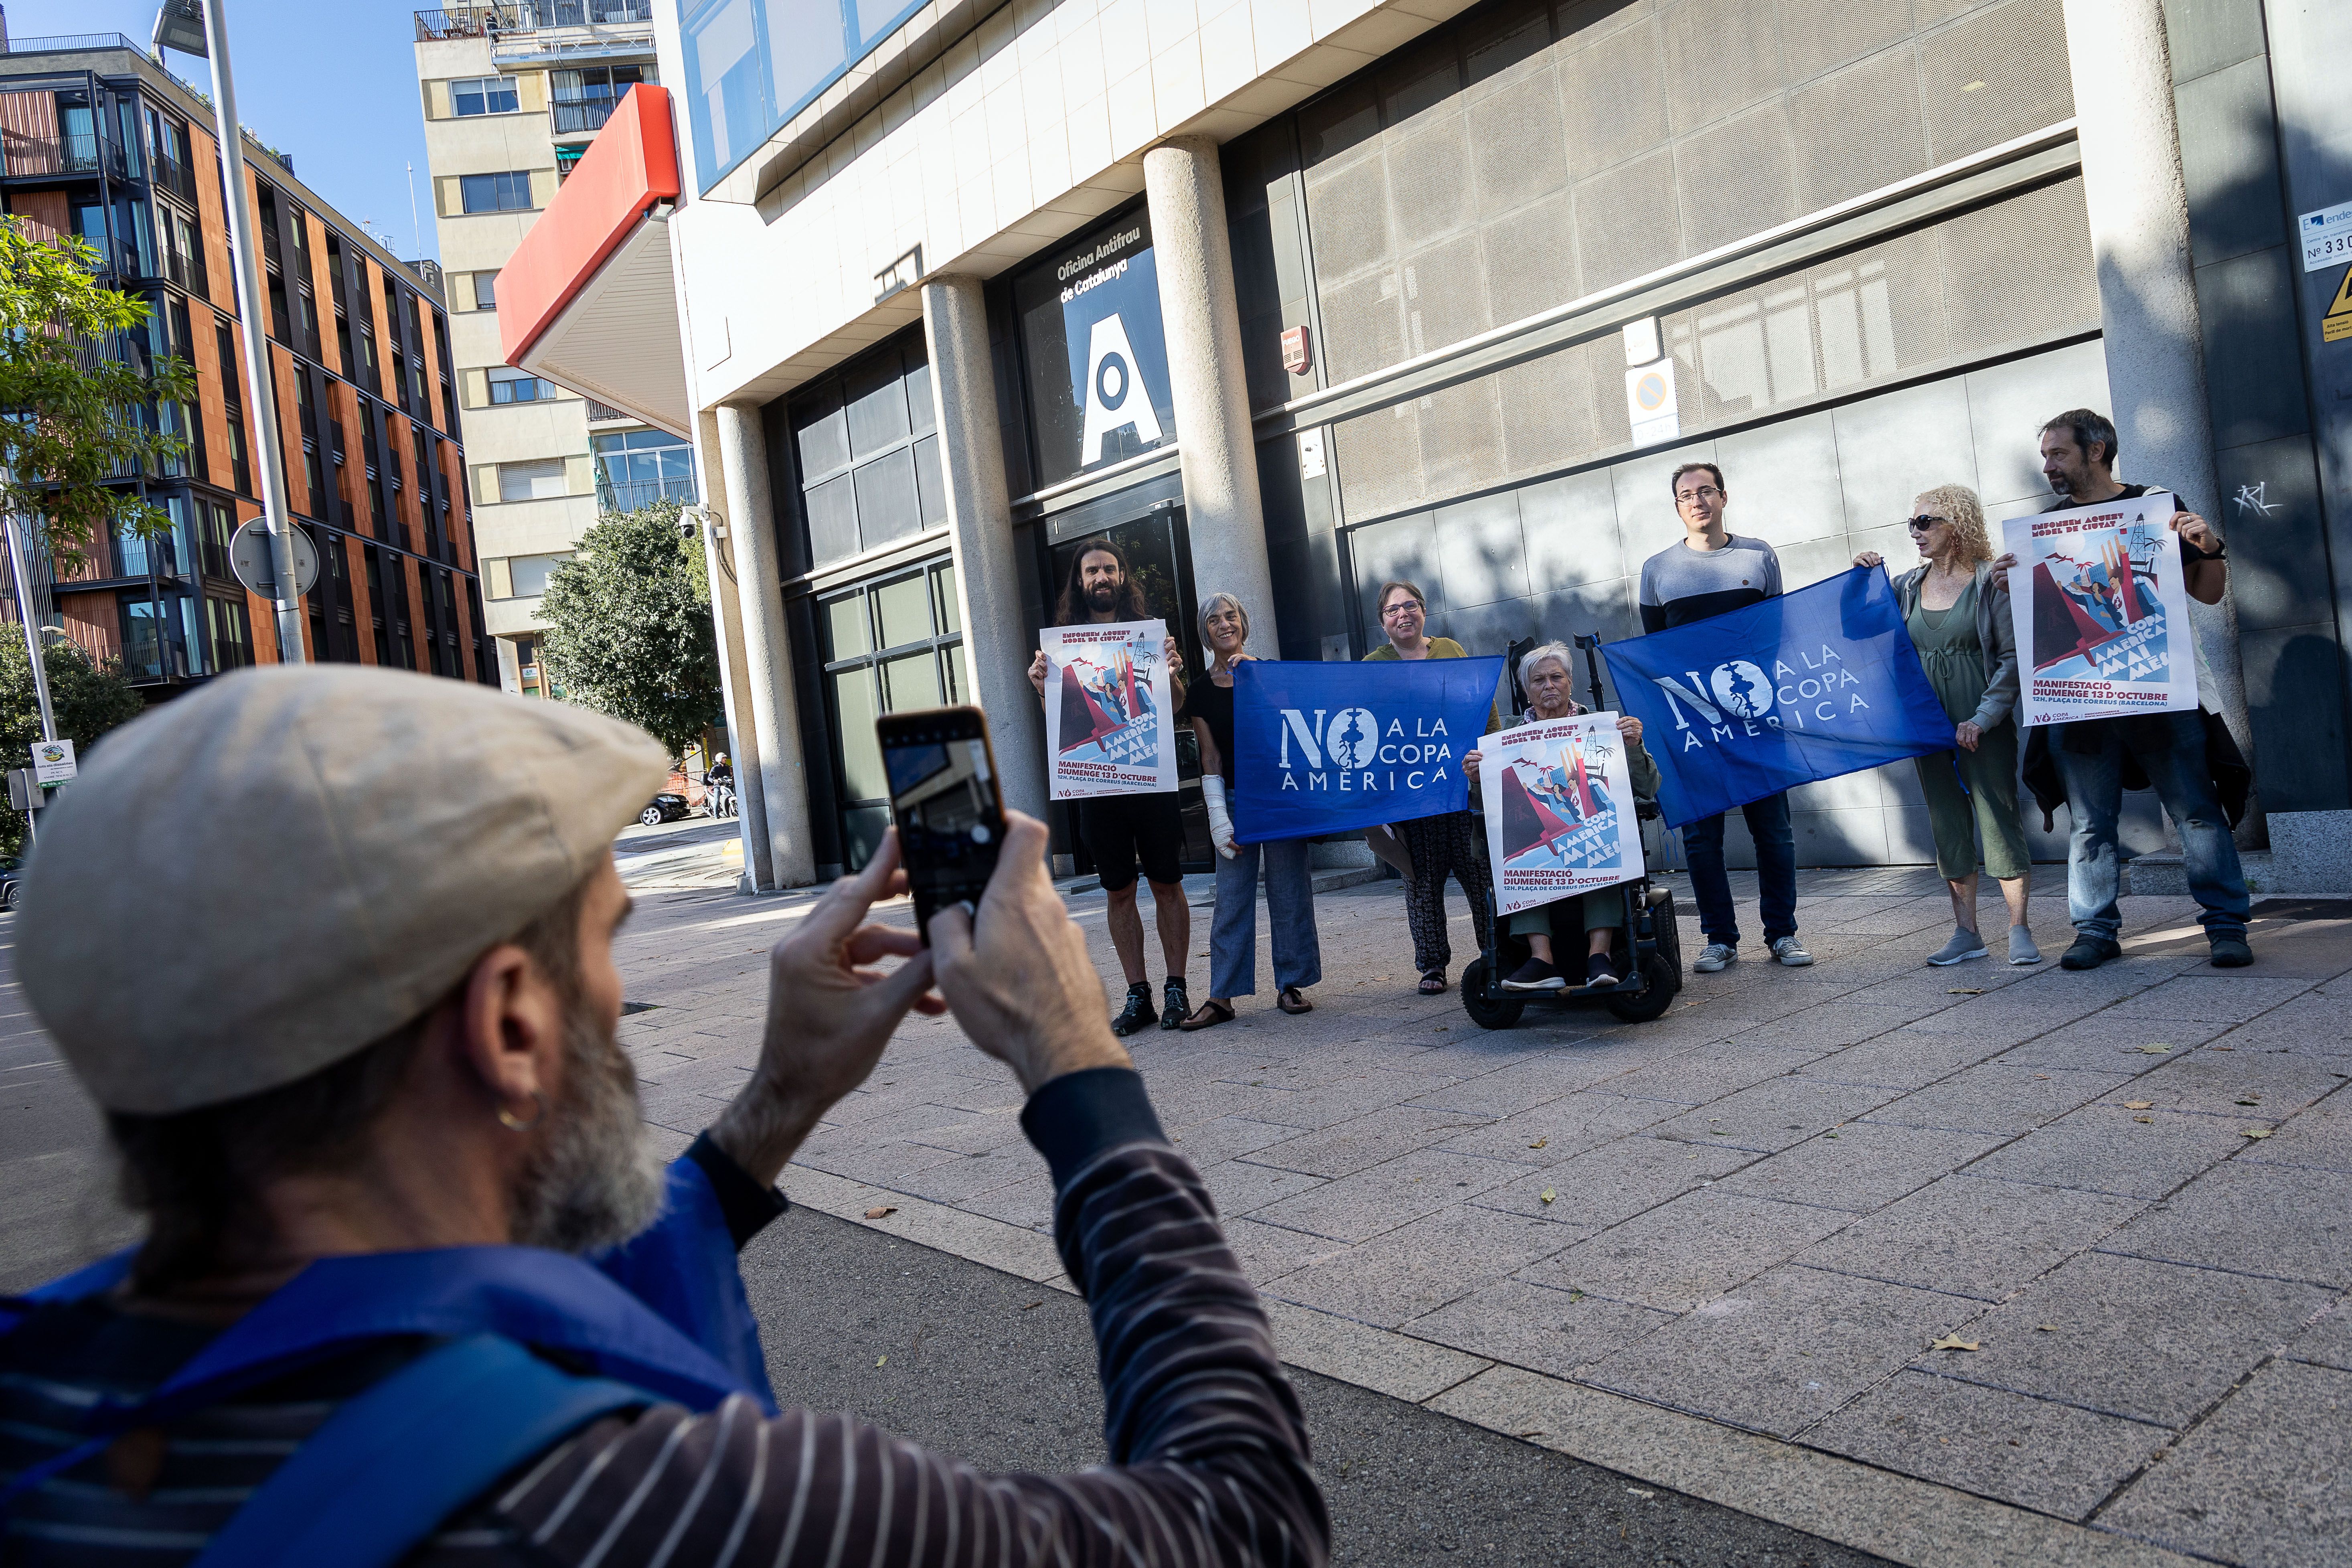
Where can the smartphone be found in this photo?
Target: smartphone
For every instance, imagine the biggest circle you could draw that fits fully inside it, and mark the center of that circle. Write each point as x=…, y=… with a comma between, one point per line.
x=945, y=799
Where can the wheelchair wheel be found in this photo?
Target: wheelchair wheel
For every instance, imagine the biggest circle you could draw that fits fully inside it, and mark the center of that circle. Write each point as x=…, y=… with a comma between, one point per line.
x=1487, y=1012
x=1658, y=980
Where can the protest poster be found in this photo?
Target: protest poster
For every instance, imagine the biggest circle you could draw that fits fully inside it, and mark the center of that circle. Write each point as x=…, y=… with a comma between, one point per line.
x=2101, y=608
x=1325, y=748
x=1560, y=810
x=1109, y=725
x=1815, y=684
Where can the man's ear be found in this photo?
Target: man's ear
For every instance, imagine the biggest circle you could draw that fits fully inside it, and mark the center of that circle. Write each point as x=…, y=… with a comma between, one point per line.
x=509, y=1027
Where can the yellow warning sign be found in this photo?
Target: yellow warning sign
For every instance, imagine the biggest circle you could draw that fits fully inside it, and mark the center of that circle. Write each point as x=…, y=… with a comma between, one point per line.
x=2336, y=325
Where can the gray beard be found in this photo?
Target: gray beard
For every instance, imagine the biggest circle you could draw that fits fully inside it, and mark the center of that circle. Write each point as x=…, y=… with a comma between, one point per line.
x=596, y=1181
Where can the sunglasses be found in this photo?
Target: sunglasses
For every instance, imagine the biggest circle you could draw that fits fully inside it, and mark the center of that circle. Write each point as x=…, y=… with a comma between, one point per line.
x=1921, y=524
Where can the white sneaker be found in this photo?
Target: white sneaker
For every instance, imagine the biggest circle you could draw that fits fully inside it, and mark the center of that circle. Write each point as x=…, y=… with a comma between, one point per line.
x=1716, y=955
x=1792, y=952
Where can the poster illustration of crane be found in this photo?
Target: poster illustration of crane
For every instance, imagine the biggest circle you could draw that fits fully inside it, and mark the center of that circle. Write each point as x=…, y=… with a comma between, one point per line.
x=1109, y=724
x=2101, y=612
x=1560, y=810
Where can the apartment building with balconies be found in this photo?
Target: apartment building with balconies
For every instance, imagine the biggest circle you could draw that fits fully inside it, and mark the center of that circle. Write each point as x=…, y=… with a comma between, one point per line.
x=100, y=142
x=513, y=94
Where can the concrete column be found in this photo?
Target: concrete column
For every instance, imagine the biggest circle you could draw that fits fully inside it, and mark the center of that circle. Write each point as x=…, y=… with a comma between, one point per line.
x=1194, y=255
x=743, y=732
x=767, y=645
x=2139, y=207
x=979, y=522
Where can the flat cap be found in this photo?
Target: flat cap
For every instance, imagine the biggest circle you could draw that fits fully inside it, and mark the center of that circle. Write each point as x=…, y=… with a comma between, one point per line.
x=277, y=870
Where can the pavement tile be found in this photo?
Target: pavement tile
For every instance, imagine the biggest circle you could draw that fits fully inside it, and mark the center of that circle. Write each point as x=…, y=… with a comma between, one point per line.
x=971, y=1134
x=1365, y=1204
x=1775, y=1114
x=1268, y=1252
x=1707, y=1073
x=1784, y=1349
x=1687, y=1251
x=1520, y=1086
x=2214, y=1083
x=1419, y=1268
x=1347, y=1147
x=2152, y=1341
x=967, y=1177
x=1996, y=1098
x=2105, y=1148
x=2257, y=1219
x=1345, y=1099
x=2327, y=1341
x=889, y=1165
x=1827, y=1026
x=2312, y=1026
x=2051, y=1458
x=1226, y=1137
x=1862, y=1166
x=1615, y=1181
x=1903, y=1058
x=2103, y=1043
x=1563, y=1126
x=2319, y=1137
x=1027, y=1202
x=1536, y=1326
x=2211, y=997
x=1238, y=1187
x=2261, y=1481
x=1969, y=1237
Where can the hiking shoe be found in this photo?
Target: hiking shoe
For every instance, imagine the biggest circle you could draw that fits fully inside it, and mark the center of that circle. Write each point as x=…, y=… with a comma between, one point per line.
x=1964, y=945
x=1598, y=970
x=1716, y=955
x=2021, y=946
x=1136, y=1016
x=1788, y=950
x=1173, y=1014
x=2232, y=952
x=2089, y=952
x=1535, y=975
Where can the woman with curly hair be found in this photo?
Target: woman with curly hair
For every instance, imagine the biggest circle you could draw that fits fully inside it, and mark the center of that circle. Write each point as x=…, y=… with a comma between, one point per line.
x=1957, y=610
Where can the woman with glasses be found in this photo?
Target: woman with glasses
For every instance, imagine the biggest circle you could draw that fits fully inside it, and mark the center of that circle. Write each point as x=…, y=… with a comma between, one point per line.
x=1957, y=609
x=1449, y=844
x=1289, y=882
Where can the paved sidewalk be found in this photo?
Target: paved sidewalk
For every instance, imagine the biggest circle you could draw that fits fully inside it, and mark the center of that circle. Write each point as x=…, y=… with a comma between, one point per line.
x=1713, y=1252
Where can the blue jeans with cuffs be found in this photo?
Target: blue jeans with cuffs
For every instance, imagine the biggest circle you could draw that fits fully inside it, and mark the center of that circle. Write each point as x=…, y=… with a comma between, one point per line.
x=1290, y=916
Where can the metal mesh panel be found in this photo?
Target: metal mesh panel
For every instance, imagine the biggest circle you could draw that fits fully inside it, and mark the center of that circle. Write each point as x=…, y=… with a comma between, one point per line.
x=1998, y=74
x=1735, y=178
x=1818, y=36
x=1857, y=131
x=1975, y=284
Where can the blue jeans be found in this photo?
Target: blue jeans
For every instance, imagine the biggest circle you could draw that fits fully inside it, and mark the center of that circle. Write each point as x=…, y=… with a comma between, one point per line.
x=2171, y=748
x=1290, y=910
x=1776, y=872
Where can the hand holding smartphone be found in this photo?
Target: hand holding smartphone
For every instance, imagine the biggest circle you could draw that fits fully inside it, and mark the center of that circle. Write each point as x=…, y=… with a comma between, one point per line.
x=946, y=799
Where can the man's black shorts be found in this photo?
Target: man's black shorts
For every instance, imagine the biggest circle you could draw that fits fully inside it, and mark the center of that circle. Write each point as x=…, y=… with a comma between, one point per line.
x=1122, y=831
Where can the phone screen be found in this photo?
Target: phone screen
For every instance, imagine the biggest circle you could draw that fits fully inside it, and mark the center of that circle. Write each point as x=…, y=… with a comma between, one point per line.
x=943, y=794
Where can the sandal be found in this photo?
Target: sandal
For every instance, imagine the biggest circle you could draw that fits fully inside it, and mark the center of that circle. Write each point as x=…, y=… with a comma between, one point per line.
x=1208, y=1016
x=1292, y=999
x=1433, y=983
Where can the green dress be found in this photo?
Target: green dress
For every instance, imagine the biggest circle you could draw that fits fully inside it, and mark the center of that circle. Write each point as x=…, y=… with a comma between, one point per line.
x=1954, y=660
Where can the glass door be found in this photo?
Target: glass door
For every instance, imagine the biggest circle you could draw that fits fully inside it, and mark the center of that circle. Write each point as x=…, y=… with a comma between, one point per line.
x=890, y=644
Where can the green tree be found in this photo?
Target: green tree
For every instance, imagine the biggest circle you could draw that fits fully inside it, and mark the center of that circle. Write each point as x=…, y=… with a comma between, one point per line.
x=88, y=698
x=74, y=405
x=628, y=626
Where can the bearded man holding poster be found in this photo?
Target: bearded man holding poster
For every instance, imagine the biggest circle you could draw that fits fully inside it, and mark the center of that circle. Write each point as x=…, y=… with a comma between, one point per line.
x=2110, y=669
x=1110, y=679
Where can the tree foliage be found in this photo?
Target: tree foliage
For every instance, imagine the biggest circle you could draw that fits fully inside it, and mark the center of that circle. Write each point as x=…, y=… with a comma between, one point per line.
x=73, y=407
x=88, y=698
x=629, y=630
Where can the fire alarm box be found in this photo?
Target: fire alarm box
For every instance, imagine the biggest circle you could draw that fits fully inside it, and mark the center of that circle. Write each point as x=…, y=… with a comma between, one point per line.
x=1296, y=357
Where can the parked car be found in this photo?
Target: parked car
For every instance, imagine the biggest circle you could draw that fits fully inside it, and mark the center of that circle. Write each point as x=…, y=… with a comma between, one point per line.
x=11, y=870
x=667, y=806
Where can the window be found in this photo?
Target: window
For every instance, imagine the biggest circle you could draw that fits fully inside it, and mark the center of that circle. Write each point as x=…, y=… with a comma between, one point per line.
x=485, y=290
x=232, y=633
x=751, y=65
x=584, y=100
x=484, y=95
x=510, y=385
x=524, y=576
x=537, y=481
x=888, y=645
x=507, y=192
x=638, y=467
x=867, y=452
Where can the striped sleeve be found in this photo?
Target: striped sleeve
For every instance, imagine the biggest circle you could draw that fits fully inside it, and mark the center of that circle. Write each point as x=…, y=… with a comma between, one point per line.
x=1207, y=1447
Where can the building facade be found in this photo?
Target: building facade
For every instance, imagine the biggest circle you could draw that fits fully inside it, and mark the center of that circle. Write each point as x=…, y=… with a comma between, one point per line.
x=513, y=94
x=100, y=142
x=1292, y=298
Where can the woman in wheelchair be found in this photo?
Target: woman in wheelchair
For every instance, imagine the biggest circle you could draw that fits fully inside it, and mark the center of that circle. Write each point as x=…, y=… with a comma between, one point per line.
x=1545, y=673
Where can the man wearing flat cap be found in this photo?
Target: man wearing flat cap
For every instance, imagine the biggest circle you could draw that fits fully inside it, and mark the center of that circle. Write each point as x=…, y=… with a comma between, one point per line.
x=413, y=1288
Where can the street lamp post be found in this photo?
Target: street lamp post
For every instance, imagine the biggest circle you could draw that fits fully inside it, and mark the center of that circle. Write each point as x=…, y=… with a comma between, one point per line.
x=201, y=27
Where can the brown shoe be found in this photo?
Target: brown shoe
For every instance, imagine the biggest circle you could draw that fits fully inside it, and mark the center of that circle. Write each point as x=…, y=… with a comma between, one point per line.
x=1292, y=999
x=1207, y=1015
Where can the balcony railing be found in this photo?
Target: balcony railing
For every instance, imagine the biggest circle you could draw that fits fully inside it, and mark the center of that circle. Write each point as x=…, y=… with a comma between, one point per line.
x=601, y=411
x=636, y=495
x=68, y=44
x=187, y=271
x=579, y=119
x=495, y=18
x=173, y=176
x=60, y=154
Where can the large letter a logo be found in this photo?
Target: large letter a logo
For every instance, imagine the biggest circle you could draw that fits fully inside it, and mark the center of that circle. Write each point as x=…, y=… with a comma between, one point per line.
x=1114, y=396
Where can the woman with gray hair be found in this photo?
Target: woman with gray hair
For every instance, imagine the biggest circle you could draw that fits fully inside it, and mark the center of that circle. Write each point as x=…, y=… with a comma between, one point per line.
x=1290, y=885
x=1956, y=608
x=1547, y=673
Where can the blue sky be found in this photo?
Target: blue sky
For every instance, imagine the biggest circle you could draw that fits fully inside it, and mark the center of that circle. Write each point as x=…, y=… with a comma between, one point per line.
x=333, y=82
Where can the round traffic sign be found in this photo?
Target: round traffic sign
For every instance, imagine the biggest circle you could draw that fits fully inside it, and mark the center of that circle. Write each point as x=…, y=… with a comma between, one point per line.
x=248, y=557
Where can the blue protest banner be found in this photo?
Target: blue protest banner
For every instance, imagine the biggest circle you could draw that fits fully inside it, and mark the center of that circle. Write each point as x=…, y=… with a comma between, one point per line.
x=1322, y=748
x=1813, y=685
